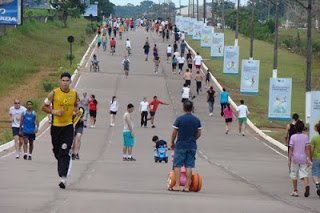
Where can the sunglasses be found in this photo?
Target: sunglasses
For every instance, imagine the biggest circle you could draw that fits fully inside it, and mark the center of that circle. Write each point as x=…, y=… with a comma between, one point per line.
x=16, y=102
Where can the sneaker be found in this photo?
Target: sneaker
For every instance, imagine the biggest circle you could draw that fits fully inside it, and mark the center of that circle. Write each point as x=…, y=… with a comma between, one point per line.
x=77, y=156
x=227, y=132
x=62, y=185
x=29, y=158
x=243, y=134
x=294, y=194
x=131, y=159
x=124, y=158
x=17, y=156
x=318, y=189
x=91, y=126
x=25, y=156
x=153, y=126
x=73, y=156
x=307, y=191
x=85, y=126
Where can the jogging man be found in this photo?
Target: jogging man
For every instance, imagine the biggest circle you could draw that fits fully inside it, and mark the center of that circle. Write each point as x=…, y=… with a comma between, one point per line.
x=153, y=105
x=188, y=129
x=64, y=107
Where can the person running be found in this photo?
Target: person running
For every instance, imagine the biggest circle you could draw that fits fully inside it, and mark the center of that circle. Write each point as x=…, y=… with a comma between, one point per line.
x=146, y=49
x=224, y=99
x=78, y=131
x=174, y=64
x=291, y=129
x=126, y=66
x=113, y=110
x=163, y=35
x=299, y=159
x=185, y=92
x=183, y=47
x=64, y=106
x=30, y=123
x=93, y=110
x=153, y=106
x=84, y=103
x=242, y=116
x=315, y=153
x=15, y=112
x=189, y=60
x=128, y=134
x=187, y=76
x=167, y=34
x=155, y=51
x=144, y=107
x=181, y=61
x=128, y=46
x=187, y=130
x=175, y=47
x=199, y=78
x=210, y=100
x=156, y=62
x=228, y=117
x=208, y=76
x=198, y=61
x=169, y=52
x=113, y=44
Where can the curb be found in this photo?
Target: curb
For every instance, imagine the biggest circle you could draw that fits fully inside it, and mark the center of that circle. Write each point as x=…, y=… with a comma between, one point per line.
x=11, y=144
x=234, y=105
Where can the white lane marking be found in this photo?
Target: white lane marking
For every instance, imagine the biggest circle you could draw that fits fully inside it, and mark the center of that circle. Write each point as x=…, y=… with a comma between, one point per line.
x=275, y=150
x=77, y=82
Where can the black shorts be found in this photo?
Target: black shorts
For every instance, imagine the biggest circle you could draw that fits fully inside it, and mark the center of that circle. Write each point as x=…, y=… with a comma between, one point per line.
x=188, y=82
x=180, y=66
x=61, y=135
x=228, y=120
x=184, y=99
x=152, y=113
x=190, y=66
x=174, y=66
x=78, y=130
x=93, y=113
x=113, y=113
x=15, y=131
x=29, y=136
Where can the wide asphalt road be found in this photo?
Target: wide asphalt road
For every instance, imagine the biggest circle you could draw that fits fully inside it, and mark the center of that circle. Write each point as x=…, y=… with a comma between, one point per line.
x=240, y=174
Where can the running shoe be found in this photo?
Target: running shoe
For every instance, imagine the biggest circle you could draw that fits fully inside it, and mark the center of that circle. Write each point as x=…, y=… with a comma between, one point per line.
x=307, y=191
x=77, y=156
x=62, y=185
x=131, y=159
x=294, y=194
x=318, y=189
x=25, y=156
x=17, y=156
x=124, y=158
x=153, y=126
x=73, y=156
x=29, y=158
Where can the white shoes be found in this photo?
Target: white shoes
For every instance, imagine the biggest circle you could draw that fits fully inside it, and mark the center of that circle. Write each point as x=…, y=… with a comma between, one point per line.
x=211, y=114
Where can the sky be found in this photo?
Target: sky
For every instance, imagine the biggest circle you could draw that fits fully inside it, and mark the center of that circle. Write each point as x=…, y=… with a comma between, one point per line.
x=183, y=2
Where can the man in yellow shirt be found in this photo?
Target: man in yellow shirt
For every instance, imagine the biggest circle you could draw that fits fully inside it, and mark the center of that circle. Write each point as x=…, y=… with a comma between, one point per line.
x=64, y=107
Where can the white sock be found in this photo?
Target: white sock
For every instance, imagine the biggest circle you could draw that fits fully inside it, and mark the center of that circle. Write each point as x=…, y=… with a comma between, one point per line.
x=124, y=156
x=129, y=156
x=63, y=179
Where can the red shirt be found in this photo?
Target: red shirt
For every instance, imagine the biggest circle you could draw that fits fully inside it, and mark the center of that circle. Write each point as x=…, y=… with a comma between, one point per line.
x=92, y=105
x=154, y=105
x=113, y=43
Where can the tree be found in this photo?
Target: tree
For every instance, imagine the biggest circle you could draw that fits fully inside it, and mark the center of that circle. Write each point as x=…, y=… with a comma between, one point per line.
x=66, y=8
x=105, y=7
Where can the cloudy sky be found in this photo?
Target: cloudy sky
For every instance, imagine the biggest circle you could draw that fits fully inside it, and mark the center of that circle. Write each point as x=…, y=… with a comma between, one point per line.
x=183, y=2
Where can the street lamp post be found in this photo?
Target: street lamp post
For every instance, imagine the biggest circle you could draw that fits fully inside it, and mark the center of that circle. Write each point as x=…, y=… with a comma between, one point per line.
x=204, y=11
x=237, y=24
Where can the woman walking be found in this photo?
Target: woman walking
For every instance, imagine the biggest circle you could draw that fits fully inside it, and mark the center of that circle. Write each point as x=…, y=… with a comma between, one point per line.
x=113, y=110
x=210, y=99
x=228, y=117
x=93, y=110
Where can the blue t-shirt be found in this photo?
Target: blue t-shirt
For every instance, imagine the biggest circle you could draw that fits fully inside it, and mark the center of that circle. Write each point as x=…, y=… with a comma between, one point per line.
x=224, y=97
x=187, y=126
x=29, y=126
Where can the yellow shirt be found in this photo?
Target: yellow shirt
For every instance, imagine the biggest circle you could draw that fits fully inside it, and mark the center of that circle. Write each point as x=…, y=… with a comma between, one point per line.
x=63, y=101
x=120, y=29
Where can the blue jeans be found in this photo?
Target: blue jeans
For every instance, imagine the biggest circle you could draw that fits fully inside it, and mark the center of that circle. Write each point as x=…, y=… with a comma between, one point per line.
x=211, y=104
x=184, y=157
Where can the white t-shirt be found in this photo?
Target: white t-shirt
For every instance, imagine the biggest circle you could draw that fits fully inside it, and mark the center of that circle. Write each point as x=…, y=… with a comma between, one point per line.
x=243, y=111
x=185, y=92
x=144, y=106
x=16, y=115
x=182, y=36
x=197, y=60
x=114, y=106
x=128, y=44
x=169, y=49
x=181, y=60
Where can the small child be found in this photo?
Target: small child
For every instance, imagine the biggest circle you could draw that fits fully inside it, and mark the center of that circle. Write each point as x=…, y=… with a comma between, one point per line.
x=315, y=152
x=159, y=143
x=299, y=159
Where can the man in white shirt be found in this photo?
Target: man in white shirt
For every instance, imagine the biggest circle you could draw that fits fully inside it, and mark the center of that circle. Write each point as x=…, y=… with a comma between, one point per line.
x=15, y=113
x=242, y=116
x=144, y=108
x=181, y=61
x=169, y=52
x=185, y=93
x=197, y=61
x=128, y=46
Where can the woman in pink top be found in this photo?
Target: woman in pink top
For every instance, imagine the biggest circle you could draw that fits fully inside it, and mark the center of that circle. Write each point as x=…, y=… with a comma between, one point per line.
x=228, y=117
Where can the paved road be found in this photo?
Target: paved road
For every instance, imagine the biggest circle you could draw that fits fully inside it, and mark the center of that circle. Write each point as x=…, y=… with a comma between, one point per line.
x=241, y=174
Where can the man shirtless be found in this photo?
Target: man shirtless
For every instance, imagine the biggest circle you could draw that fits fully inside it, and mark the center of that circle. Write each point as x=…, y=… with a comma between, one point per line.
x=187, y=76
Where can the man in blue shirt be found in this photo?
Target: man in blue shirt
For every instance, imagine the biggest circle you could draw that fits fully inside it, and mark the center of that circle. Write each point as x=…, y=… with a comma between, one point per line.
x=188, y=129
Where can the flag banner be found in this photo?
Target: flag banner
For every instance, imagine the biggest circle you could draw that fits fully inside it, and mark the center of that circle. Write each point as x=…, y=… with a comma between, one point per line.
x=231, y=60
x=314, y=105
x=250, y=77
x=206, y=36
x=191, y=23
x=217, y=45
x=197, y=28
x=280, y=99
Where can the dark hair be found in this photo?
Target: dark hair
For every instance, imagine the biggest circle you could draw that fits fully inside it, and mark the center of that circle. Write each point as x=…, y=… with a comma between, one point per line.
x=154, y=97
x=112, y=100
x=65, y=74
x=224, y=89
x=299, y=126
x=29, y=102
x=130, y=106
x=241, y=101
x=94, y=99
x=228, y=105
x=317, y=126
x=295, y=116
x=187, y=106
x=155, y=138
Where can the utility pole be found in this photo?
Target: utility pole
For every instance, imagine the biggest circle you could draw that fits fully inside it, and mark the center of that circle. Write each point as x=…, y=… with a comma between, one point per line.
x=192, y=8
x=197, y=10
x=252, y=27
x=212, y=10
x=222, y=16
x=189, y=8
x=180, y=6
x=309, y=46
x=275, y=45
x=237, y=24
x=204, y=11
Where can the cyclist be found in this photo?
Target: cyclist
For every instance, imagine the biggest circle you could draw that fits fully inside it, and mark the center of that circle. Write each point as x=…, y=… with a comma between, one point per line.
x=95, y=62
x=113, y=45
x=128, y=46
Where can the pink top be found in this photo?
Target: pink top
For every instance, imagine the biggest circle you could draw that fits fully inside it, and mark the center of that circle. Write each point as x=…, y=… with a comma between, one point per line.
x=227, y=113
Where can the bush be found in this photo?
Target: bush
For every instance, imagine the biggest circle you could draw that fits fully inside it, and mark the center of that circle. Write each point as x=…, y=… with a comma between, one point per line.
x=49, y=85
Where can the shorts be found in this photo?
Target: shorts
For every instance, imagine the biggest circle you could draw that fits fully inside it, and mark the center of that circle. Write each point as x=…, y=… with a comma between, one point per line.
x=298, y=171
x=152, y=113
x=99, y=43
x=184, y=99
x=198, y=67
x=190, y=66
x=180, y=66
x=128, y=140
x=113, y=112
x=29, y=136
x=316, y=168
x=184, y=157
x=188, y=82
x=228, y=120
x=93, y=113
x=104, y=43
x=15, y=131
x=168, y=54
x=78, y=130
x=242, y=120
x=174, y=66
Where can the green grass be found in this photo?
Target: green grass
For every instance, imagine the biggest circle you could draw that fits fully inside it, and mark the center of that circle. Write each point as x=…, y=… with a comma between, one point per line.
x=36, y=12
x=290, y=65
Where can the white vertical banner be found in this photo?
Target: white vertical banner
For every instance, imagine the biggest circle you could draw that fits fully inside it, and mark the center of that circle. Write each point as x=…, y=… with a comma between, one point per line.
x=190, y=26
x=280, y=90
x=217, y=45
x=206, y=36
x=250, y=77
x=197, y=28
x=314, y=105
x=231, y=60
